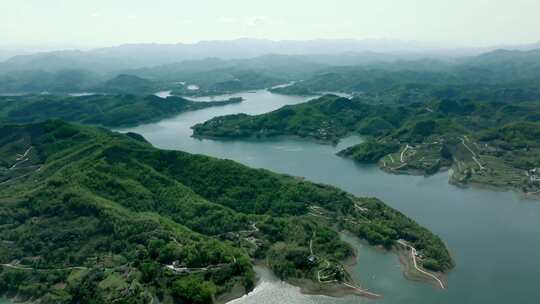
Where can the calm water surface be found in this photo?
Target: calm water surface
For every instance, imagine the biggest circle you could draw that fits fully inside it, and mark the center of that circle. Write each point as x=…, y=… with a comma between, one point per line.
x=163, y=94
x=493, y=236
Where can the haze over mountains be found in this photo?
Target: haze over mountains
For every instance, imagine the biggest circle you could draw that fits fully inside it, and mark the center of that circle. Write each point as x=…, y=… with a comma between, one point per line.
x=268, y=152
x=149, y=54
x=242, y=64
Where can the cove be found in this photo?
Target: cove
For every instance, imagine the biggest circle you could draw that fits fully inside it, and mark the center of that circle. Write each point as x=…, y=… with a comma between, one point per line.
x=493, y=236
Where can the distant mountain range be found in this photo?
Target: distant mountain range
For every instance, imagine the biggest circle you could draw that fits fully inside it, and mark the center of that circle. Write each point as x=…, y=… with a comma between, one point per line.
x=130, y=56
x=245, y=64
x=5, y=55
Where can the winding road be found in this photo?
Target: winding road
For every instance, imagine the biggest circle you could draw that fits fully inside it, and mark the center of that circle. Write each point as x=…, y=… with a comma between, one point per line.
x=403, y=152
x=38, y=269
x=413, y=256
x=473, y=154
x=363, y=291
x=21, y=158
x=360, y=290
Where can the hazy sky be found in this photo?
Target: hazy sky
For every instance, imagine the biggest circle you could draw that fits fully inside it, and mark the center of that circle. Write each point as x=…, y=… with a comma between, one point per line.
x=90, y=23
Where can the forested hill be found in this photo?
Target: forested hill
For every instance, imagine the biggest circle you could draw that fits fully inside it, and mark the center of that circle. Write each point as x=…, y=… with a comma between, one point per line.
x=330, y=118
x=327, y=119
x=505, y=69
x=105, y=110
x=92, y=216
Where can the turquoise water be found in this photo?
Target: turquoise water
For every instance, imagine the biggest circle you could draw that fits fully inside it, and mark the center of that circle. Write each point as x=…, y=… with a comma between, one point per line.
x=493, y=236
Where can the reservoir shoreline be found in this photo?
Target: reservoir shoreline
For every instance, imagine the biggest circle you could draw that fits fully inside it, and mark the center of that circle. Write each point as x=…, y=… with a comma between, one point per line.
x=466, y=218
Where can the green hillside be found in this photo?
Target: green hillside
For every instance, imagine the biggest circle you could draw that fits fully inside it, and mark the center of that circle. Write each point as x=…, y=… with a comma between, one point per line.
x=127, y=84
x=105, y=110
x=92, y=216
x=327, y=119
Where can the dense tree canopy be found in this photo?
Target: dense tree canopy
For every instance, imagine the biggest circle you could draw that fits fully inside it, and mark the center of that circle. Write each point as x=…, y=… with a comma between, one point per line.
x=95, y=216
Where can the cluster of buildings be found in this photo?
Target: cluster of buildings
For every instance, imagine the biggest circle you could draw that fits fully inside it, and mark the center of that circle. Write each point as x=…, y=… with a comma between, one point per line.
x=534, y=176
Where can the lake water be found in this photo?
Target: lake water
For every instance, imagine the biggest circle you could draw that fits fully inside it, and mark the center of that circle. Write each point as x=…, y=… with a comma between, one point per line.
x=493, y=236
x=163, y=94
x=82, y=94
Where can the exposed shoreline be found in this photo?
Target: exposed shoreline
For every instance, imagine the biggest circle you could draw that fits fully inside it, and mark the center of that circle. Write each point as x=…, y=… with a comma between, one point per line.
x=495, y=188
x=305, y=286
x=411, y=172
x=407, y=268
x=332, y=143
x=236, y=292
x=456, y=183
x=410, y=273
x=311, y=287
